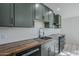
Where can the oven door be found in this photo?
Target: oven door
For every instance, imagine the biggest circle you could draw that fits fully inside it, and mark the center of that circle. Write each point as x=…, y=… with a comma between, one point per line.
x=36, y=51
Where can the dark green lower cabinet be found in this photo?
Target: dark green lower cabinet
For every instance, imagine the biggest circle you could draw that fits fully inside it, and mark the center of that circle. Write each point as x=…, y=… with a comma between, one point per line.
x=61, y=43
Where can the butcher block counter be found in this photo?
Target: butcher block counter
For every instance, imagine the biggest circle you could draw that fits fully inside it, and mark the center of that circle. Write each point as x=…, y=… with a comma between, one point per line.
x=11, y=49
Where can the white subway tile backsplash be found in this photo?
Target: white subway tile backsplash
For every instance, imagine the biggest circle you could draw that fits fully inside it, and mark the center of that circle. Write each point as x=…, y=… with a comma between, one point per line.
x=16, y=34
x=12, y=34
x=49, y=31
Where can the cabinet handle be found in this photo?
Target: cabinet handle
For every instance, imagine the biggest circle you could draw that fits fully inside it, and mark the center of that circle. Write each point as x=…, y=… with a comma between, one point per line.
x=12, y=21
x=49, y=50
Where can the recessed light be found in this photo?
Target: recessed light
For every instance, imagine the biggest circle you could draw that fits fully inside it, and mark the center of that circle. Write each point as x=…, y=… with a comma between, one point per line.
x=50, y=12
x=36, y=5
x=58, y=9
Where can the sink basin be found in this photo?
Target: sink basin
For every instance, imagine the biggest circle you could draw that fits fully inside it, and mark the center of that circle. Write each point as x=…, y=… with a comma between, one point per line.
x=45, y=38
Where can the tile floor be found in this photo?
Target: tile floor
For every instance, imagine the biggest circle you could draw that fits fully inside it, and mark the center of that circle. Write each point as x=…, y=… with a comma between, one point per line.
x=70, y=50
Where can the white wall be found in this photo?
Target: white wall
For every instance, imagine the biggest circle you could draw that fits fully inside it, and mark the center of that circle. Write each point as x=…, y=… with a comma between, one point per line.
x=70, y=20
x=70, y=23
x=71, y=29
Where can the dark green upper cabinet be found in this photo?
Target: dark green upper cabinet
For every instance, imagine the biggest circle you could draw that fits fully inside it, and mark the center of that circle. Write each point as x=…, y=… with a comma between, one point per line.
x=38, y=11
x=57, y=21
x=16, y=14
x=47, y=17
x=45, y=14
x=6, y=17
x=51, y=18
x=23, y=15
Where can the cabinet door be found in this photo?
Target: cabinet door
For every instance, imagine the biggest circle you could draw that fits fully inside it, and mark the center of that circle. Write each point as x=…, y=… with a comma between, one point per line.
x=23, y=15
x=52, y=48
x=38, y=12
x=51, y=19
x=5, y=14
x=46, y=16
x=44, y=12
x=56, y=47
x=57, y=21
x=44, y=50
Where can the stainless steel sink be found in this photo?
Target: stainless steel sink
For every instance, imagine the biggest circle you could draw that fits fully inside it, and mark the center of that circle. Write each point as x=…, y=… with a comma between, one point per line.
x=46, y=38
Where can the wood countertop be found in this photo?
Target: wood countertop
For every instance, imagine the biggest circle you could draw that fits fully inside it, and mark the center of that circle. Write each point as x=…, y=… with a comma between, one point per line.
x=16, y=47
x=11, y=49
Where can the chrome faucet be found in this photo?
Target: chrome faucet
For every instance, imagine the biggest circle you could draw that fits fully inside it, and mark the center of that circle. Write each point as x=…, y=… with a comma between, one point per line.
x=41, y=32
